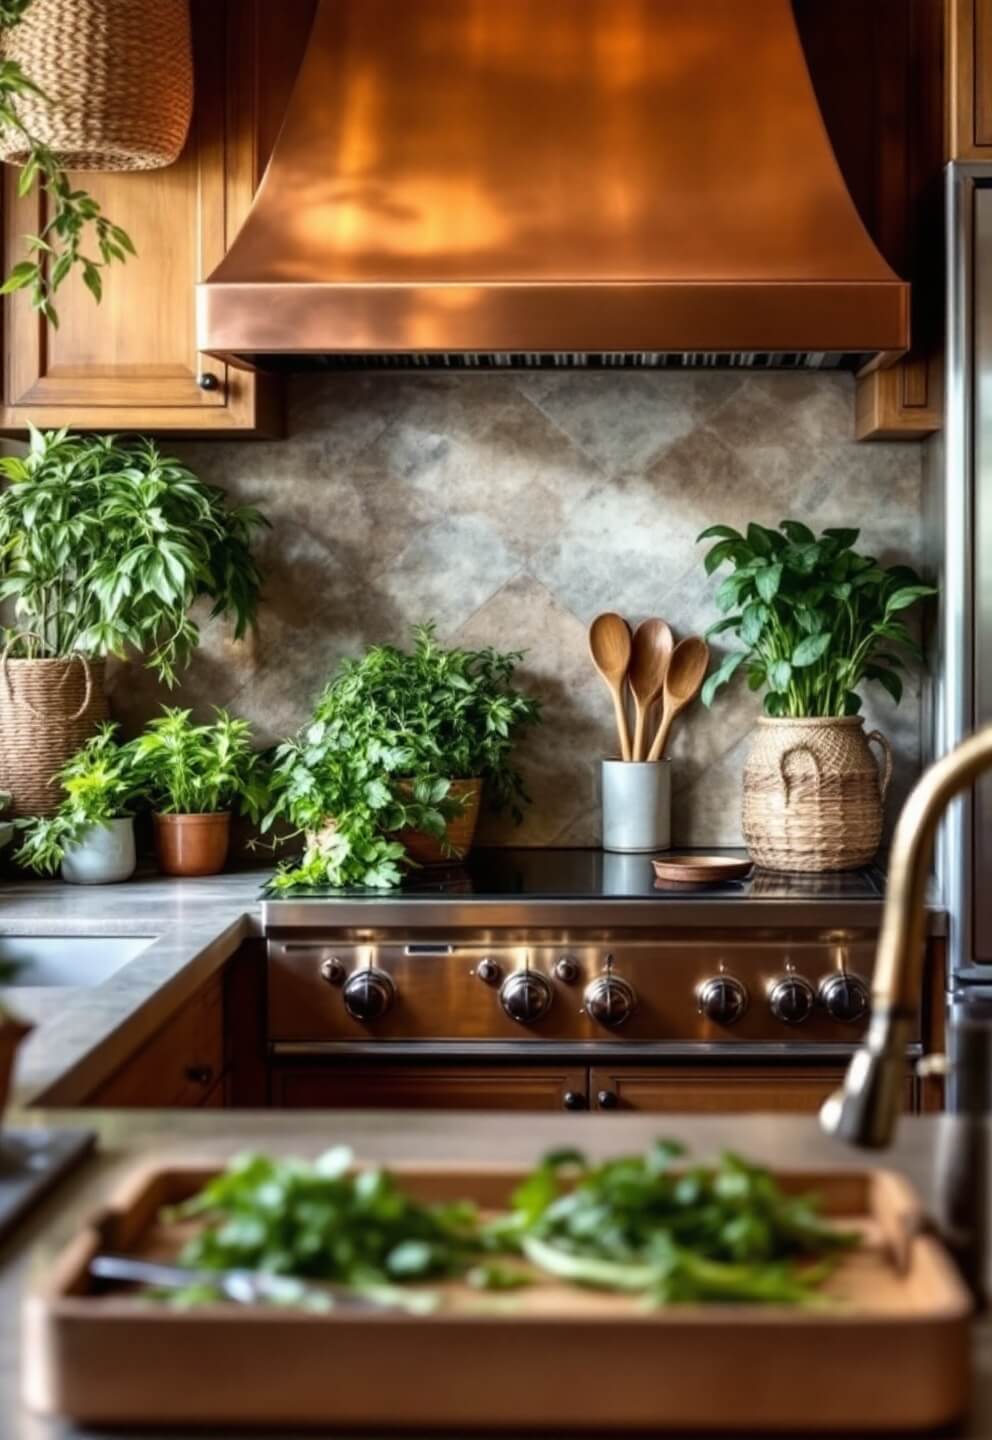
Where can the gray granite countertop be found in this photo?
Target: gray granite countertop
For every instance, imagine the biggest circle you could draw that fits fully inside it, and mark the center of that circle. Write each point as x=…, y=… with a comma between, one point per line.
x=126, y=1140
x=83, y=1034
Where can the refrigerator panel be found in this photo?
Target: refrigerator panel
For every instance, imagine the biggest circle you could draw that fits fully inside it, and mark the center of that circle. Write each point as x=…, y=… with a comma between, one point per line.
x=981, y=877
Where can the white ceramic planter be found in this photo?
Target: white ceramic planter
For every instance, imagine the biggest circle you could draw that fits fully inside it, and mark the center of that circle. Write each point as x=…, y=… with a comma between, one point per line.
x=105, y=855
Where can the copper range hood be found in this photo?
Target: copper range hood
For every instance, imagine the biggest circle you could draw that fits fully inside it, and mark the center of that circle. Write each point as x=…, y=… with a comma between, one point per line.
x=515, y=182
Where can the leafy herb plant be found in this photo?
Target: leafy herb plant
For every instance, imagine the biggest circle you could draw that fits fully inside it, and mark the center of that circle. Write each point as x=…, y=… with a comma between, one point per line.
x=73, y=214
x=100, y=785
x=816, y=618
x=388, y=735
x=651, y=1225
x=105, y=545
x=188, y=769
x=323, y=1221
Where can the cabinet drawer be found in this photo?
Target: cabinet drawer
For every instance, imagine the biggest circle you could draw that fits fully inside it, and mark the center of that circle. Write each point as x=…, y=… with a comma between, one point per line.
x=179, y=1066
x=414, y=1087
x=695, y=1090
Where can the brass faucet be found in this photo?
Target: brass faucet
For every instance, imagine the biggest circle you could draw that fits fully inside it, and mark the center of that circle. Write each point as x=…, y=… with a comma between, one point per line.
x=864, y=1111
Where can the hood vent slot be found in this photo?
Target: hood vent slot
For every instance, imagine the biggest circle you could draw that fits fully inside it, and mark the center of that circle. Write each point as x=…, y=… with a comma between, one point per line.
x=574, y=360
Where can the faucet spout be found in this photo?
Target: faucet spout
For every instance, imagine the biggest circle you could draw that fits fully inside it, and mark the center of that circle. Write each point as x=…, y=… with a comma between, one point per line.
x=864, y=1111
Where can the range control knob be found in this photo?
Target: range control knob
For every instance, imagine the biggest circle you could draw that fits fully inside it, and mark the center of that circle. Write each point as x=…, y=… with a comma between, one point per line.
x=368, y=995
x=526, y=997
x=567, y=969
x=845, y=997
x=723, y=999
x=488, y=971
x=610, y=1000
x=332, y=970
x=791, y=999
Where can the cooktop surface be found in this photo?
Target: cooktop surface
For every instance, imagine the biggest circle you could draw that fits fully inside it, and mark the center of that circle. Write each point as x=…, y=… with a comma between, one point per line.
x=560, y=874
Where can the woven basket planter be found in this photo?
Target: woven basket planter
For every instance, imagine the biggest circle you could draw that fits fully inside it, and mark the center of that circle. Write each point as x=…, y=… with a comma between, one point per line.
x=814, y=794
x=119, y=77
x=48, y=709
x=460, y=832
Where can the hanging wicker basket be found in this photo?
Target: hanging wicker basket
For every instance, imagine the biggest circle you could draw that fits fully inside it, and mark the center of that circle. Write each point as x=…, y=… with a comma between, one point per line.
x=814, y=794
x=118, y=77
x=48, y=709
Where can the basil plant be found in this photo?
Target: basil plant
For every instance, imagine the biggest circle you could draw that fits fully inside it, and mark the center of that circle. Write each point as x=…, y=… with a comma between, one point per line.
x=106, y=544
x=815, y=618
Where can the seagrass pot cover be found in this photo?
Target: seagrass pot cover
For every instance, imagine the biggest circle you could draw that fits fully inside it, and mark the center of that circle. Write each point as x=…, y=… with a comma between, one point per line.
x=48, y=709
x=118, y=77
x=814, y=794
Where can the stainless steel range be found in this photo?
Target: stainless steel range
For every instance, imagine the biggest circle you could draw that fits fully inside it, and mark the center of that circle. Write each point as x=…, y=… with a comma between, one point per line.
x=573, y=953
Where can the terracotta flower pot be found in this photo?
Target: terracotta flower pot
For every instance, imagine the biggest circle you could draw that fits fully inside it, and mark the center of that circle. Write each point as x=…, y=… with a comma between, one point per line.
x=192, y=844
x=426, y=849
x=814, y=794
x=12, y=1032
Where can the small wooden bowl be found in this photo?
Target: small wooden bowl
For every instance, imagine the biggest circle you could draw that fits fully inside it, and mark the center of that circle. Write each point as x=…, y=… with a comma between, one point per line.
x=700, y=869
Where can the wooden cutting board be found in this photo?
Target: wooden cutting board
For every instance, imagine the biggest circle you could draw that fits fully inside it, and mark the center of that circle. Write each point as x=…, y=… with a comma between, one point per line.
x=891, y=1353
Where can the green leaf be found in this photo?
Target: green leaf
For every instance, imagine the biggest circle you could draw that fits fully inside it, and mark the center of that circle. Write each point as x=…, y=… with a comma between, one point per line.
x=92, y=281
x=798, y=533
x=808, y=651
x=759, y=539
x=753, y=621
x=721, y=676
x=768, y=582
x=888, y=679
x=903, y=599
x=780, y=675
x=21, y=275
x=844, y=539
x=719, y=532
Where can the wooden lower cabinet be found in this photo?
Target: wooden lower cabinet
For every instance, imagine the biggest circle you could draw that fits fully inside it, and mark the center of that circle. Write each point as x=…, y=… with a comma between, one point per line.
x=702, y=1090
x=420, y=1087
x=685, y=1089
x=183, y=1065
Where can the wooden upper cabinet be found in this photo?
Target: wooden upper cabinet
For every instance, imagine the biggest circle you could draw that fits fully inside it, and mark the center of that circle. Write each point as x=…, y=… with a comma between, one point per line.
x=969, y=68
x=131, y=363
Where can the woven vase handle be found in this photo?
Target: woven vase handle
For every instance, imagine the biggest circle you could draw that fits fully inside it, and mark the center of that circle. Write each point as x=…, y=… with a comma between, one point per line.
x=14, y=700
x=786, y=755
x=885, y=768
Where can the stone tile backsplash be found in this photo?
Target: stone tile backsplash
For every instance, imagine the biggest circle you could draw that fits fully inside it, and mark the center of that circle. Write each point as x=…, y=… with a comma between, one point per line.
x=513, y=508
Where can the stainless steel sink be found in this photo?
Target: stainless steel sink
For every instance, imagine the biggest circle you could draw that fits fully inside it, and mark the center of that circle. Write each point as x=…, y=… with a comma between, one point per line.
x=68, y=960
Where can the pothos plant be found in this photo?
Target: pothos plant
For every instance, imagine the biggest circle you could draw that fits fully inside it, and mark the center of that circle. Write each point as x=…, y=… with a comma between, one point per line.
x=105, y=545
x=388, y=735
x=816, y=619
x=74, y=217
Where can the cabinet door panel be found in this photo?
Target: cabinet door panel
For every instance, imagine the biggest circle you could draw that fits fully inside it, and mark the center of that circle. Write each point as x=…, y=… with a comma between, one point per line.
x=410, y=1087
x=132, y=362
x=699, y=1091
x=183, y=1065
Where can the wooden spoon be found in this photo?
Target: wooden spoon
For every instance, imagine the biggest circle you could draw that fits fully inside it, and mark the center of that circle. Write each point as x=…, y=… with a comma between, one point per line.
x=686, y=673
x=609, y=646
x=650, y=652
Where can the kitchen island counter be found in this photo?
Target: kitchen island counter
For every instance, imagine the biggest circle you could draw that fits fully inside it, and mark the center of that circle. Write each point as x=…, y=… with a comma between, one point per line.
x=130, y=1139
x=83, y=1034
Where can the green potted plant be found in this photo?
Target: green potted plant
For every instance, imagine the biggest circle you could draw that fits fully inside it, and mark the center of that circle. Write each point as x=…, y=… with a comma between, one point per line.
x=193, y=775
x=91, y=834
x=104, y=548
x=816, y=620
x=393, y=763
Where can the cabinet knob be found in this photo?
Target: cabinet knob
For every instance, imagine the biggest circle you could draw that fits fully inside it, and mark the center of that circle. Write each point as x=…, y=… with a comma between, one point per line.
x=208, y=381
x=608, y=1100
x=574, y=1100
x=199, y=1074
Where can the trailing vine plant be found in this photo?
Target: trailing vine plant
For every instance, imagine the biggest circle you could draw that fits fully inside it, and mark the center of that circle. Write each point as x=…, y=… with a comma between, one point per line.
x=75, y=218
